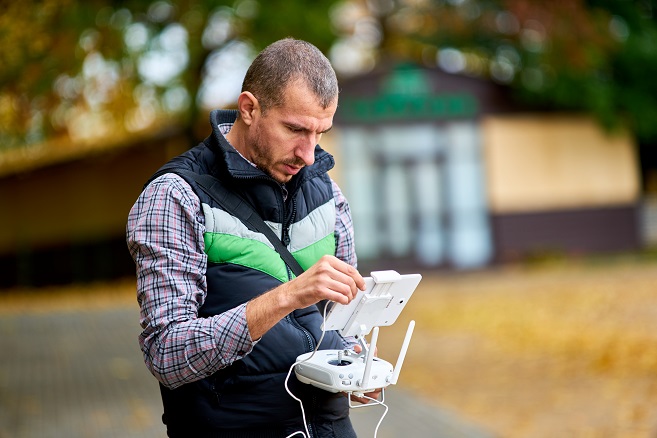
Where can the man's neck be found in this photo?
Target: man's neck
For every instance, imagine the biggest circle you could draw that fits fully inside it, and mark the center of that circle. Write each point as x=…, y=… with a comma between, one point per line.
x=236, y=137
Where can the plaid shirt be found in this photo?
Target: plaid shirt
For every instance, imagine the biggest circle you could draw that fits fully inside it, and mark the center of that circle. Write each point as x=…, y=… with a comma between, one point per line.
x=165, y=237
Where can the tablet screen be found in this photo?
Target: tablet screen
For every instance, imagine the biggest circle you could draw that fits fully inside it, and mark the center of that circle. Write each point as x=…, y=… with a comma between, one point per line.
x=378, y=305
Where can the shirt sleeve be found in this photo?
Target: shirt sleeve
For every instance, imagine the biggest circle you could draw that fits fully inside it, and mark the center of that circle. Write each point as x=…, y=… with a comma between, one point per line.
x=344, y=228
x=344, y=234
x=165, y=238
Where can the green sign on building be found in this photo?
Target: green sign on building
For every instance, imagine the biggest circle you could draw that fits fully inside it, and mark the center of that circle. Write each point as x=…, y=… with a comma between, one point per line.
x=406, y=95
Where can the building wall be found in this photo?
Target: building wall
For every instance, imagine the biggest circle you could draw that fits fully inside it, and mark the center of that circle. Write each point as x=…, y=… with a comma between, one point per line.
x=559, y=184
x=64, y=220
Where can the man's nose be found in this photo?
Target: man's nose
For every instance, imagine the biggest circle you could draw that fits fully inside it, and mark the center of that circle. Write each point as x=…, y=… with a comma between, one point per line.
x=306, y=151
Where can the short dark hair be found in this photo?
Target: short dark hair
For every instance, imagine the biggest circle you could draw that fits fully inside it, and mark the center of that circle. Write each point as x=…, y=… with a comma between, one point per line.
x=285, y=61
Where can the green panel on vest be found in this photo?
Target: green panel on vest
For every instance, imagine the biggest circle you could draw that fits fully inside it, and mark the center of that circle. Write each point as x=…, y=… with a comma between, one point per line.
x=312, y=253
x=226, y=248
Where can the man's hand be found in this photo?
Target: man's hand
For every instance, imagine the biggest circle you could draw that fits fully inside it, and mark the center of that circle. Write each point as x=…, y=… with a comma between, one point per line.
x=328, y=279
x=372, y=395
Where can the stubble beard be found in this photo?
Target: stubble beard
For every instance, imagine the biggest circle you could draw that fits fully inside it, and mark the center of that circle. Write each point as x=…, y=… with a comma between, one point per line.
x=261, y=156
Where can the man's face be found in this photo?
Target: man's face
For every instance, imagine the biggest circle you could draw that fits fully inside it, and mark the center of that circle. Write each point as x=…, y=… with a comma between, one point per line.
x=282, y=141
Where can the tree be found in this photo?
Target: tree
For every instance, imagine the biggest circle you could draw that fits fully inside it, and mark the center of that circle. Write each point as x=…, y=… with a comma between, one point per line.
x=94, y=68
x=597, y=56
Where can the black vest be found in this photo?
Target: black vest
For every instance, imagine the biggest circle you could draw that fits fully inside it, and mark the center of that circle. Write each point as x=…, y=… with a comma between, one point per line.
x=250, y=393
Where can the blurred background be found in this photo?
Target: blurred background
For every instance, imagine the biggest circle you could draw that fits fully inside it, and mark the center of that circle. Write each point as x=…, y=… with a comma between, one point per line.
x=506, y=149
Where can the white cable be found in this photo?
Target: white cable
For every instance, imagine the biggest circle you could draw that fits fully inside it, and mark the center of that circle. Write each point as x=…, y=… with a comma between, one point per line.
x=303, y=412
x=295, y=433
x=289, y=373
x=376, y=430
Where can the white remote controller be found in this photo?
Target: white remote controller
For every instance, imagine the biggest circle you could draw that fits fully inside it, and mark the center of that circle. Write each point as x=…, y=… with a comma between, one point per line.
x=342, y=371
x=345, y=370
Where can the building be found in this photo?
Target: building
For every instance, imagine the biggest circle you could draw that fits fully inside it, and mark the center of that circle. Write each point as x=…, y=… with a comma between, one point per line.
x=65, y=206
x=441, y=171
x=445, y=170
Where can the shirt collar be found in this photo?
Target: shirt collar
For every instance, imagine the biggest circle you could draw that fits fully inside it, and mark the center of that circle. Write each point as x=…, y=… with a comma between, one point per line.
x=225, y=128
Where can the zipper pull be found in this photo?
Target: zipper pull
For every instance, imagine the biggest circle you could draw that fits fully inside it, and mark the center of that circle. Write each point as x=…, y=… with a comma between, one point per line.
x=284, y=192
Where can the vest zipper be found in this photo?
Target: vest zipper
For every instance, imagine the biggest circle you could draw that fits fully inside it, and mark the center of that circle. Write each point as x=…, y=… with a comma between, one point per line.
x=286, y=242
x=310, y=426
x=311, y=342
x=285, y=238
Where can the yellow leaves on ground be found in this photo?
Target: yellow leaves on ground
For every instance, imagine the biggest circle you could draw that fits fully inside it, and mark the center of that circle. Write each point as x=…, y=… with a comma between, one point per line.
x=604, y=314
x=566, y=350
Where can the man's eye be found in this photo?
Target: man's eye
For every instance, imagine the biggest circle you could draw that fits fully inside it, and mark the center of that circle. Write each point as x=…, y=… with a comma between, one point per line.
x=295, y=129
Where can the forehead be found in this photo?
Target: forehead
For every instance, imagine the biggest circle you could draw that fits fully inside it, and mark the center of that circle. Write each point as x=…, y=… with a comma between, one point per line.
x=303, y=106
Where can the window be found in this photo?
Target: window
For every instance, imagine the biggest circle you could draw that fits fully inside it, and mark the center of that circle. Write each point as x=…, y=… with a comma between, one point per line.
x=417, y=191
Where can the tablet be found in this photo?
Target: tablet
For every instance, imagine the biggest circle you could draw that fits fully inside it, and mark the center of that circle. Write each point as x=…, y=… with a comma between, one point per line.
x=383, y=299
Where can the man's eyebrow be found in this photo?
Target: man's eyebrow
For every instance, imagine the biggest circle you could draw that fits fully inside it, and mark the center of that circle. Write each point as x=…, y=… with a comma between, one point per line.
x=303, y=128
x=296, y=126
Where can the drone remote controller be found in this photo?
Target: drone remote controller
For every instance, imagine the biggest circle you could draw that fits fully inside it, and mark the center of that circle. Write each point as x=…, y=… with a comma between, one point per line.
x=345, y=370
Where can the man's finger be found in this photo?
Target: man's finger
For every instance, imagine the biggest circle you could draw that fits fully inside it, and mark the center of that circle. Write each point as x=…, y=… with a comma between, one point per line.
x=349, y=271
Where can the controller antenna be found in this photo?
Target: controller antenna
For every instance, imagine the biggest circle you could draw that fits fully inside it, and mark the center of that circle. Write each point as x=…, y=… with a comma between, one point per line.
x=402, y=353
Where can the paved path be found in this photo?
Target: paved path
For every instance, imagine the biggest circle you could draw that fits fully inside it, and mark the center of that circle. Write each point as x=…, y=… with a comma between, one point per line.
x=66, y=374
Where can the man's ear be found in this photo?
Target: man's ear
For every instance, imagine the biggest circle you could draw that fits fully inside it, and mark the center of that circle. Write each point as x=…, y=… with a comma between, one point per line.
x=247, y=105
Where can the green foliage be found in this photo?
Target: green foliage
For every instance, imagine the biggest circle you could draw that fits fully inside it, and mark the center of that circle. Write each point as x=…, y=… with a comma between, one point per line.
x=297, y=19
x=597, y=56
x=94, y=67
x=75, y=66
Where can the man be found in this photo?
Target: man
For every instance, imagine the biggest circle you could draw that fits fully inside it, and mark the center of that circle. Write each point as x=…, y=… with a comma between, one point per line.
x=223, y=318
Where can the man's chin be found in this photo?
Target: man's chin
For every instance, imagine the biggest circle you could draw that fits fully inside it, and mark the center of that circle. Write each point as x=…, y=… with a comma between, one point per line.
x=286, y=174
x=279, y=177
